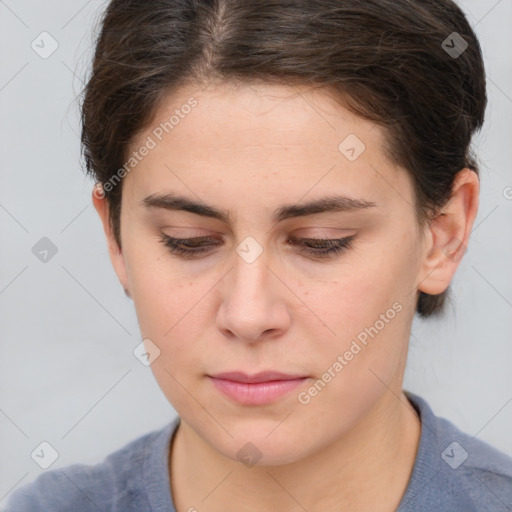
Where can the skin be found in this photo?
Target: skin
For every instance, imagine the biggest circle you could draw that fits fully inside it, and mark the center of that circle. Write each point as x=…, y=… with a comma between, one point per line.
x=248, y=149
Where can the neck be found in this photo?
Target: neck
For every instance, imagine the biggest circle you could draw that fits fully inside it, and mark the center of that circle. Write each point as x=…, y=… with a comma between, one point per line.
x=367, y=469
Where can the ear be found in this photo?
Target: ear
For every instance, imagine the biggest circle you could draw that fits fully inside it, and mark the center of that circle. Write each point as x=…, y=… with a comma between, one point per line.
x=115, y=252
x=448, y=234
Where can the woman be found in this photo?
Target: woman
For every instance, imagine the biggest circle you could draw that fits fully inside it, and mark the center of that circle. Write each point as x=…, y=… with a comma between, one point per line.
x=283, y=185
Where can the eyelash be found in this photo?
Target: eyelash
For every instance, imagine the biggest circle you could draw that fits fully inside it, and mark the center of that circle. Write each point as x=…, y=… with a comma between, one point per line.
x=334, y=246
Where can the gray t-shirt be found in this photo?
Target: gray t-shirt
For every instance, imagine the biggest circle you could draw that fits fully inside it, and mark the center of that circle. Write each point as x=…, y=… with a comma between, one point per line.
x=453, y=472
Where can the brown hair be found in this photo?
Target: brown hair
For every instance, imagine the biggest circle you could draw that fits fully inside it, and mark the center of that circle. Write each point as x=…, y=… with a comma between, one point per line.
x=402, y=64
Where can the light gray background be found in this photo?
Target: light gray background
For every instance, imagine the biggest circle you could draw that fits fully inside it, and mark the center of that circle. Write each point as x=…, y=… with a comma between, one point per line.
x=68, y=374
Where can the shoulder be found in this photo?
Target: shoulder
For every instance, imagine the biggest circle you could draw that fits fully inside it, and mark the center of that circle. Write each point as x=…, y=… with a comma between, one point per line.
x=456, y=471
x=484, y=472
x=116, y=482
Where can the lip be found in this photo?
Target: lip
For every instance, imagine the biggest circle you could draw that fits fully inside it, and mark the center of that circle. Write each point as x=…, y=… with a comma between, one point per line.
x=265, y=376
x=259, y=389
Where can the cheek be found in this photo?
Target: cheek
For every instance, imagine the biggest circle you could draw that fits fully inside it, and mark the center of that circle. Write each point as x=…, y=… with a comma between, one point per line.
x=160, y=296
x=356, y=296
x=369, y=311
x=166, y=308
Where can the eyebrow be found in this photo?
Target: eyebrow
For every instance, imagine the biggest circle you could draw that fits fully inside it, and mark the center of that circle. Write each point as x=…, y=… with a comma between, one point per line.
x=325, y=204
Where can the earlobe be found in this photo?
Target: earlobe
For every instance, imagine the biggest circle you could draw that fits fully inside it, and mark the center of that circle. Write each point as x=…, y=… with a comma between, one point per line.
x=449, y=234
x=116, y=255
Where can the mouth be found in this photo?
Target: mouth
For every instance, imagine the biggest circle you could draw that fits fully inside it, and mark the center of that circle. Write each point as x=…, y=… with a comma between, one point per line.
x=259, y=389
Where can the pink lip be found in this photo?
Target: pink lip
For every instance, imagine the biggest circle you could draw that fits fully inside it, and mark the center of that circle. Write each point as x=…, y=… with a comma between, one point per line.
x=265, y=376
x=259, y=389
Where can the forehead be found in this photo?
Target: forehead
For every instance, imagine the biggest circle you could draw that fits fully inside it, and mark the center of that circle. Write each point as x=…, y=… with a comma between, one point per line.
x=259, y=135
x=254, y=113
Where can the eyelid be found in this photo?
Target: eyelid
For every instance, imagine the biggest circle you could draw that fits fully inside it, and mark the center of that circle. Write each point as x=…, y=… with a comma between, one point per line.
x=316, y=232
x=333, y=247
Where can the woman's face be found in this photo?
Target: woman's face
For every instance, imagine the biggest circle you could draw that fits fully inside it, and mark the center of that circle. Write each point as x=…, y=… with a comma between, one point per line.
x=252, y=300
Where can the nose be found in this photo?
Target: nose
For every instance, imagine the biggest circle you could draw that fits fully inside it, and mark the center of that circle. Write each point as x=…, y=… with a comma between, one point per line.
x=255, y=302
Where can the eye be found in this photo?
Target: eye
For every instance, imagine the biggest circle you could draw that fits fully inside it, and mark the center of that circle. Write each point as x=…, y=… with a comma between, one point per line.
x=191, y=247
x=323, y=248
x=312, y=246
